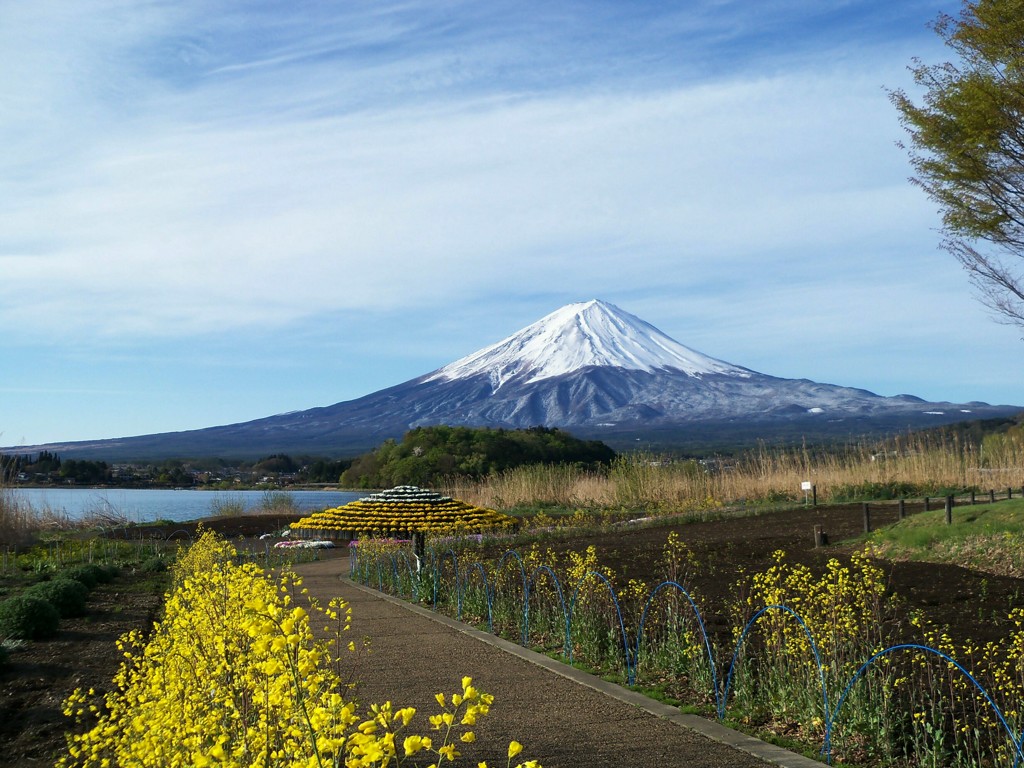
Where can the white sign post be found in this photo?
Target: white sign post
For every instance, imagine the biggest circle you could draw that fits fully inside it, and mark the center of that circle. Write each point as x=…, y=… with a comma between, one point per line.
x=805, y=486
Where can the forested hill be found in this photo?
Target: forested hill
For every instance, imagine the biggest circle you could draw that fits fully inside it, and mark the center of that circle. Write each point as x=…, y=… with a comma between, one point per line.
x=427, y=454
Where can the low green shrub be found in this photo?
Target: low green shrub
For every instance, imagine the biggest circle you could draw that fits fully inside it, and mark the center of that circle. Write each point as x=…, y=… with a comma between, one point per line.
x=872, y=491
x=90, y=575
x=110, y=572
x=28, y=618
x=153, y=565
x=66, y=595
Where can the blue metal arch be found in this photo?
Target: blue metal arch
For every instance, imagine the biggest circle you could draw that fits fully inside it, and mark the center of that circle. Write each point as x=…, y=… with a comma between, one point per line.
x=437, y=563
x=626, y=647
x=827, y=747
x=408, y=567
x=743, y=636
x=522, y=573
x=700, y=623
x=464, y=581
x=561, y=599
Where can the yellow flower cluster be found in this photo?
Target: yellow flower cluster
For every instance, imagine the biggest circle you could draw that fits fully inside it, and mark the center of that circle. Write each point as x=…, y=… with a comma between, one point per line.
x=233, y=676
x=405, y=509
x=997, y=665
x=843, y=609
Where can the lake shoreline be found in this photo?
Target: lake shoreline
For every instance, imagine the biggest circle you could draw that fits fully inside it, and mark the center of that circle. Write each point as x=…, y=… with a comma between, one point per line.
x=332, y=487
x=127, y=506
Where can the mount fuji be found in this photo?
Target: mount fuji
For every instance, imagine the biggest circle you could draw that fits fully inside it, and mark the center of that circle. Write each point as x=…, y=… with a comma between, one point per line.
x=591, y=368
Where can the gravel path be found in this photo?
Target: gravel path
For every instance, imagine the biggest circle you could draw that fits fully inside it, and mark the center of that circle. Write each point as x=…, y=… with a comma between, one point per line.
x=564, y=719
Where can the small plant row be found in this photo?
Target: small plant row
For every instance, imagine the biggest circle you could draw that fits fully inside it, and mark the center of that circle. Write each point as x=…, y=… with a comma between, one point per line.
x=35, y=613
x=803, y=651
x=61, y=553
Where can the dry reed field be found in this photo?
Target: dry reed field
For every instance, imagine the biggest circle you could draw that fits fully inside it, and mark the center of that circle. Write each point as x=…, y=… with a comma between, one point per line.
x=909, y=466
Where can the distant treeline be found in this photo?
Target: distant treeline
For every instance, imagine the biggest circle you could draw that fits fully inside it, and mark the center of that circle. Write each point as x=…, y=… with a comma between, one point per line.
x=49, y=465
x=979, y=431
x=428, y=454
x=48, y=468
x=424, y=456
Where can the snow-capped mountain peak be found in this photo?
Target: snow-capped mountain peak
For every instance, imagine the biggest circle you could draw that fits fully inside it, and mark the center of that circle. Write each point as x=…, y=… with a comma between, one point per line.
x=581, y=335
x=588, y=367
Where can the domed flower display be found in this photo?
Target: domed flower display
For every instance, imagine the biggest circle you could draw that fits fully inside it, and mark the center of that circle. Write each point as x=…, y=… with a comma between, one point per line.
x=405, y=510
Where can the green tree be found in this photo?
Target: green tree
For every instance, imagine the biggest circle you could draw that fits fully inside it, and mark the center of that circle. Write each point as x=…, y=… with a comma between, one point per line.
x=85, y=472
x=967, y=147
x=429, y=454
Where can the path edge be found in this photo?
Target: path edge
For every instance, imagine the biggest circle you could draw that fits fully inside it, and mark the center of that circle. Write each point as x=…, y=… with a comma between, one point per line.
x=762, y=750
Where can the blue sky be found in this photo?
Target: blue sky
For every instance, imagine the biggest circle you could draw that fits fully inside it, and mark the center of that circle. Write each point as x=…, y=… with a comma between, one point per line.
x=213, y=212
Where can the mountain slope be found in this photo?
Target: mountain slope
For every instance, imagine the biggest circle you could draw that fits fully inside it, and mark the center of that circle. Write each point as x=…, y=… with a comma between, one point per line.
x=588, y=367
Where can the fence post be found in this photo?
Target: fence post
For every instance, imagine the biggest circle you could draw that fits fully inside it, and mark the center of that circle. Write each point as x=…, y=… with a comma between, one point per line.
x=1009, y=493
x=949, y=510
x=972, y=498
x=867, y=518
x=991, y=496
x=820, y=537
x=901, y=510
x=814, y=495
x=927, y=505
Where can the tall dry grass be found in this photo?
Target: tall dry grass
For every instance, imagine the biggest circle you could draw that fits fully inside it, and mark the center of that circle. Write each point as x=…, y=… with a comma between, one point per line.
x=907, y=466
x=17, y=522
x=22, y=524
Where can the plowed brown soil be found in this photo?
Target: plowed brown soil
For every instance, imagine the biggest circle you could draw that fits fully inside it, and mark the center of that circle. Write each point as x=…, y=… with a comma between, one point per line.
x=971, y=603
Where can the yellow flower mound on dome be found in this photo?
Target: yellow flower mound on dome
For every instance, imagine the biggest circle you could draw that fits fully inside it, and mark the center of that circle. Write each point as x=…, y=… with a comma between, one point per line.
x=405, y=509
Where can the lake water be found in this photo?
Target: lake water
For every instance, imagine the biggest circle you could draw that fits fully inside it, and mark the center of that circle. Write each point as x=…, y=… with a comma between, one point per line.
x=141, y=506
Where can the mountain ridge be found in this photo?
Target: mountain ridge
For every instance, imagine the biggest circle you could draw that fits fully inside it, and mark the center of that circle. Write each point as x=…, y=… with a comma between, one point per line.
x=588, y=367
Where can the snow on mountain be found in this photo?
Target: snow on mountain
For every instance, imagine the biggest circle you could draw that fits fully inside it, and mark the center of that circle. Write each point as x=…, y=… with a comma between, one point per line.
x=578, y=336
x=590, y=368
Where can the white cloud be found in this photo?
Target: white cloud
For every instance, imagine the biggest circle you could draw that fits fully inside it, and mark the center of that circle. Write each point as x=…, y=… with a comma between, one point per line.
x=177, y=226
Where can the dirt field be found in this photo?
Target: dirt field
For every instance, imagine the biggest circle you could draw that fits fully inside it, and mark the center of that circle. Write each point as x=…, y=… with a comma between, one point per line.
x=972, y=604
x=42, y=674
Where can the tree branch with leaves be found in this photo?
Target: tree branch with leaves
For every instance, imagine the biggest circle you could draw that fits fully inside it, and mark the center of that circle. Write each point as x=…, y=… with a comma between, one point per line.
x=967, y=147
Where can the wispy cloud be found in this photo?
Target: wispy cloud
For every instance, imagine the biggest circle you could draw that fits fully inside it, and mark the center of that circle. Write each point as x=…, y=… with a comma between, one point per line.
x=201, y=227
x=399, y=170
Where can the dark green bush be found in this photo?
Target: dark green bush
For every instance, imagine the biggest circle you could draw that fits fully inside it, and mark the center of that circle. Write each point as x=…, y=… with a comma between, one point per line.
x=28, y=618
x=153, y=565
x=90, y=575
x=110, y=572
x=66, y=595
